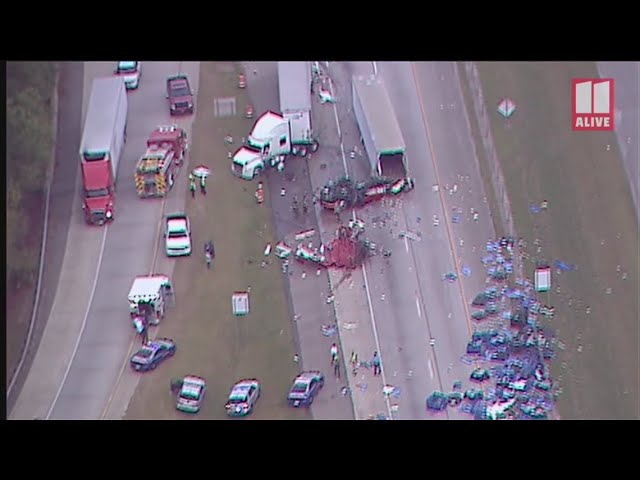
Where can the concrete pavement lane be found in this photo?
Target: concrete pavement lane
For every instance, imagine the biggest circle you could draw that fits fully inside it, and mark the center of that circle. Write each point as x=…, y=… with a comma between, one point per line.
x=95, y=332
x=447, y=157
x=627, y=103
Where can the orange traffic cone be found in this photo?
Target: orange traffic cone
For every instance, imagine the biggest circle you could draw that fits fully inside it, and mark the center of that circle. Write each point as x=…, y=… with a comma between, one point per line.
x=242, y=82
x=249, y=112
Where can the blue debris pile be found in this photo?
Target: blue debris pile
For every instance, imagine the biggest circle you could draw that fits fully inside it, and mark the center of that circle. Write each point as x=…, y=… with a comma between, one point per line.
x=511, y=378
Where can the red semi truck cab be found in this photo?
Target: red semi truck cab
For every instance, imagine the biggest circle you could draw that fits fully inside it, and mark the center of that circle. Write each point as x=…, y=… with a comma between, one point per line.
x=99, y=190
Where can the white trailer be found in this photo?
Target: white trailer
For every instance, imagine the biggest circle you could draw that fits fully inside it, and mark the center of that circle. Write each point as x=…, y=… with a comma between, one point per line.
x=105, y=126
x=294, y=80
x=379, y=129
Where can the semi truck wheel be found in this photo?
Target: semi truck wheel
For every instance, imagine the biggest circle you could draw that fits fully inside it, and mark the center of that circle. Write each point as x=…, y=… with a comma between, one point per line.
x=257, y=172
x=302, y=152
x=314, y=146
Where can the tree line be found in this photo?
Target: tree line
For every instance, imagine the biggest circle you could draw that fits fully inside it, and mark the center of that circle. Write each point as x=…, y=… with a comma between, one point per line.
x=30, y=137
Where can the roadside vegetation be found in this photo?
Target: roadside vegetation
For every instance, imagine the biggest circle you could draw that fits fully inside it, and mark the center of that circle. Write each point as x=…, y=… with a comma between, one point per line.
x=212, y=342
x=30, y=137
x=590, y=224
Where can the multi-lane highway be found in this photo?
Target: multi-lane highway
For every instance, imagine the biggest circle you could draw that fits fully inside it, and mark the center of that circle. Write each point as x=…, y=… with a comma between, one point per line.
x=417, y=321
x=422, y=321
x=78, y=370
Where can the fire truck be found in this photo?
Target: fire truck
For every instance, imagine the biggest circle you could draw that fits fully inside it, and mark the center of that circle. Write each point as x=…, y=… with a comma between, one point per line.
x=157, y=168
x=345, y=193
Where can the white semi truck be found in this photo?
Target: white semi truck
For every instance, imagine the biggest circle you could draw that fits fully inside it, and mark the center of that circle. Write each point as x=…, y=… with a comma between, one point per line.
x=277, y=135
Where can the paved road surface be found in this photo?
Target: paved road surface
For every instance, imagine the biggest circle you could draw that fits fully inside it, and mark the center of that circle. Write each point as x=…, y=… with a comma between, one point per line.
x=417, y=305
x=72, y=379
x=627, y=101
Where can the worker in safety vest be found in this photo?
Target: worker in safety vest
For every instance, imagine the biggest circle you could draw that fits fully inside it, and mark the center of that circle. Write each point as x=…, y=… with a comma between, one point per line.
x=203, y=184
x=192, y=185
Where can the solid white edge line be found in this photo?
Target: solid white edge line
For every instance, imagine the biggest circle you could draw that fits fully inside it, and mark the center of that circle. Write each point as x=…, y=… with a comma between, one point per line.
x=84, y=324
x=364, y=270
x=418, y=307
x=375, y=68
x=406, y=244
x=430, y=368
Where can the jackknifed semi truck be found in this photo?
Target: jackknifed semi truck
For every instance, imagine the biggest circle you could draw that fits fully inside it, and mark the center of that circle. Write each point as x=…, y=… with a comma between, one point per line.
x=278, y=135
x=103, y=138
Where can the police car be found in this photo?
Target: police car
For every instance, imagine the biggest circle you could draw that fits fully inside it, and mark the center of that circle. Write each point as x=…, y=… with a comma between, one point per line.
x=243, y=397
x=152, y=354
x=305, y=387
x=130, y=71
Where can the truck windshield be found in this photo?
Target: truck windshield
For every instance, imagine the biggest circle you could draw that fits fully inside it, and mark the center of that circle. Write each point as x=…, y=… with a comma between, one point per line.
x=92, y=156
x=127, y=67
x=101, y=192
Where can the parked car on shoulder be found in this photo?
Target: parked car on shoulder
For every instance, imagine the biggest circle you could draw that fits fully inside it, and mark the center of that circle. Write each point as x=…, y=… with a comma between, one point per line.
x=152, y=354
x=304, y=388
x=243, y=397
x=191, y=394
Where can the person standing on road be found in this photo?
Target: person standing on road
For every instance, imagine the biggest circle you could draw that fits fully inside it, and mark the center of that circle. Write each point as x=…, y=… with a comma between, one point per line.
x=203, y=184
x=208, y=257
x=192, y=185
x=336, y=366
x=334, y=352
x=377, y=364
x=305, y=204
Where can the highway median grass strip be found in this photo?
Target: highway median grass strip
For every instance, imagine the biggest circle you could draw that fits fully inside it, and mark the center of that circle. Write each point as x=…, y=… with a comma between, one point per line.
x=211, y=341
x=590, y=223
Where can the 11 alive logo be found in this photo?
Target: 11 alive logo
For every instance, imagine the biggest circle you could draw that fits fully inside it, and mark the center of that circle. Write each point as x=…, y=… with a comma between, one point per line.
x=592, y=107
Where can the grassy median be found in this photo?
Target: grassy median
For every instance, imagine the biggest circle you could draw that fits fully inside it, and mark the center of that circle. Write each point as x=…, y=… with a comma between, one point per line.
x=211, y=341
x=590, y=223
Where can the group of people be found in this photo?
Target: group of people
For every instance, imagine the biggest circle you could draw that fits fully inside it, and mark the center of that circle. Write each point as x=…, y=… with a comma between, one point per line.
x=376, y=362
x=192, y=184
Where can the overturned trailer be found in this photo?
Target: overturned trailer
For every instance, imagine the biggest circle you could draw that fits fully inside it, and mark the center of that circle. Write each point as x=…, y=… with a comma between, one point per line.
x=379, y=129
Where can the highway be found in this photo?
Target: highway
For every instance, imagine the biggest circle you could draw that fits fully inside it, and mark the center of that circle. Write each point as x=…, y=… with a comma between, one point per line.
x=411, y=302
x=78, y=372
x=627, y=103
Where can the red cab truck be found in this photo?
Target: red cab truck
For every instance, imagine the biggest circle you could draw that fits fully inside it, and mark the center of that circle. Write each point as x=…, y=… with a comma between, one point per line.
x=102, y=143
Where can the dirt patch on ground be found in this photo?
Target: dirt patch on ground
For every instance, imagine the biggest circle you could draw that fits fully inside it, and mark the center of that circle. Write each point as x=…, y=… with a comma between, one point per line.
x=20, y=297
x=211, y=341
x=590, y=224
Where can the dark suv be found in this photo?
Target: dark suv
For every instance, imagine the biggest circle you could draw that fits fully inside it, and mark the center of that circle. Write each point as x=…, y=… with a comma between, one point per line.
x=180, y=95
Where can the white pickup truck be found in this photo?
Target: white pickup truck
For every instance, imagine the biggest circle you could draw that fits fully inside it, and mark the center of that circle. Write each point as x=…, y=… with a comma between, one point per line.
x=177, y=235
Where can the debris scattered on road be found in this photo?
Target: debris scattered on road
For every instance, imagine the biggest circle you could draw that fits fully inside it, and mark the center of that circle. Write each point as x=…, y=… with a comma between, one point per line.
x=296, y=358
x=466, y=271
x=432, y=342
x=329, y=330
x=349, y=326
x=283, y=192
x=362, y=386
x=344, y=391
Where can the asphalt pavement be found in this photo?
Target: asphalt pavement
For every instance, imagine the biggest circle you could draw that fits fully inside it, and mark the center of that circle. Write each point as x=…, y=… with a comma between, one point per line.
x=422, y=321
x=88, y=334
x=627, y=104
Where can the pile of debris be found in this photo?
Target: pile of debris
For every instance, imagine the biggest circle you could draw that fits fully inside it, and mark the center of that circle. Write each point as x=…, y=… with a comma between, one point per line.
x=345, y=193
x=347, y=250
x=512, y=376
